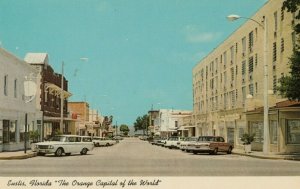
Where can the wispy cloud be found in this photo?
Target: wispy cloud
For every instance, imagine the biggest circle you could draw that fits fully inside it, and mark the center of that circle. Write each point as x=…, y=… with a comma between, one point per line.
x=194, y=34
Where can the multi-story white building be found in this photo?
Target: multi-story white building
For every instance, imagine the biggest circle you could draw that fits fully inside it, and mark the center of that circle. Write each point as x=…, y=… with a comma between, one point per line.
x=12, y=102
x=228, y=83
x=166, y=122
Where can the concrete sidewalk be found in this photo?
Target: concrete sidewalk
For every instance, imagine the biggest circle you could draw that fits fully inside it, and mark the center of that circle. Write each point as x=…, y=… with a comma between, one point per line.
x=254, y=154
x=261, y=155
x=17, y=155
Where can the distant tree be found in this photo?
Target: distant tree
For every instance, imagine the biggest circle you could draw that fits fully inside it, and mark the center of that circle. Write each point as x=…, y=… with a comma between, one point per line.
x=141, y=123
x=124, y=128
x=290, y=85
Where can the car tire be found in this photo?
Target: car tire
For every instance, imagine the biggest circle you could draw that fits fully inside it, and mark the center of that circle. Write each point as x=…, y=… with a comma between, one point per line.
x=229, y=151
x=107, y=144
x=41, y=154
x=83, y=151
x=194, y=152
x=59, y=152
x=215, y=152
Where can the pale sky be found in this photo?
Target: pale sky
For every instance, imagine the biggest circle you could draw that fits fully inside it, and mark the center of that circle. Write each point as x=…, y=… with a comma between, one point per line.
x=122, y=56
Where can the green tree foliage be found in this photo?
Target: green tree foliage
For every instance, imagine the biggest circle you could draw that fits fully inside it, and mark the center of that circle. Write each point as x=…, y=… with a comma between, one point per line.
x=141, y=123
x=290, y=85
x=125, y=129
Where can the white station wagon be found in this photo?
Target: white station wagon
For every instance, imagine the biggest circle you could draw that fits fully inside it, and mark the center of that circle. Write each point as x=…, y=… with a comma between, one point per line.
x=65, y=144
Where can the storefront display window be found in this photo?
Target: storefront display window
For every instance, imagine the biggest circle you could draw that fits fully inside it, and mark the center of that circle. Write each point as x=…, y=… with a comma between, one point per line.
x=241, y=132
x=273, y=132
x=12, y=131
x=22, y=133
x=293, y=131
x=256, y=127
x=5, y=131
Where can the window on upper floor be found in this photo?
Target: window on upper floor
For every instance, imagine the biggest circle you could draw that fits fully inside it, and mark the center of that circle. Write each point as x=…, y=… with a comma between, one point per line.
x=15, y=88
x=244, y=45
x=232, y=73
x=274, y=84
x=244, y=94
x=282, y=45
x=275, y=21
x=244, y=67
x=250, y=42
x=256, y=60
x=251, y=92
x=274, y=52
x=225, y=58
x=232, y=54
x=282, y=14
x=5, y=90
x=250, y=64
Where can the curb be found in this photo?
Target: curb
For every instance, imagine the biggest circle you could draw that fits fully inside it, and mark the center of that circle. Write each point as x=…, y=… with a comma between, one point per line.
x=25, y=156
x=260, y=157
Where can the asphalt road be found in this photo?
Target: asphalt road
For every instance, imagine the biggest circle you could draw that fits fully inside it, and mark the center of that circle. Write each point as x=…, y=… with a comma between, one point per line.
x=133, y=157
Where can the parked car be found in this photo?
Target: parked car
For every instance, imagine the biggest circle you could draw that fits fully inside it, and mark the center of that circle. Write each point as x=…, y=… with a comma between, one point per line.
x=103, y=141
x=186, y=141
x=154, y=140
x=65, y=144
x=159, y=141
x=163, y=141
x=210, y=144
x=173, y=142
x=118, y=138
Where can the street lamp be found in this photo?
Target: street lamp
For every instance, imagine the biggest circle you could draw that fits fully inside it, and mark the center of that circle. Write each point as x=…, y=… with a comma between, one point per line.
x=234, y=17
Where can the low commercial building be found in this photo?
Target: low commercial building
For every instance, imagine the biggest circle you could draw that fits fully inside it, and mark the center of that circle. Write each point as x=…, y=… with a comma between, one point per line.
x=166, y=122
x=14, y=105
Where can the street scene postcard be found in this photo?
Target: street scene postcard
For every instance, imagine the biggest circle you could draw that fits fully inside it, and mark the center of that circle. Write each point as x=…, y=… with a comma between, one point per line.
x=107, y=94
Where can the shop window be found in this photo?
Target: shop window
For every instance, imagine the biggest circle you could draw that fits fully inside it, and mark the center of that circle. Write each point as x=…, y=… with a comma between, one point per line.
x=293, y=131
x=256, y=127
x=12, y=131
x=22, y=133
x=241, y=132
x=5, y=131
x=273, y=132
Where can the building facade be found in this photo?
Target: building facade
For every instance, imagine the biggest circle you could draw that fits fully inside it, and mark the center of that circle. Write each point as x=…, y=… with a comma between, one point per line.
x=49, y=96
x=13, y=105
x=166, y=122
x=228, y=82
x=81, y=110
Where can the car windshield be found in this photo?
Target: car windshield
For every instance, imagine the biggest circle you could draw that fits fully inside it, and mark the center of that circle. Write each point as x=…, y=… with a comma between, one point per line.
x=206, y=138
x=192, y=139
x=58, y=138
